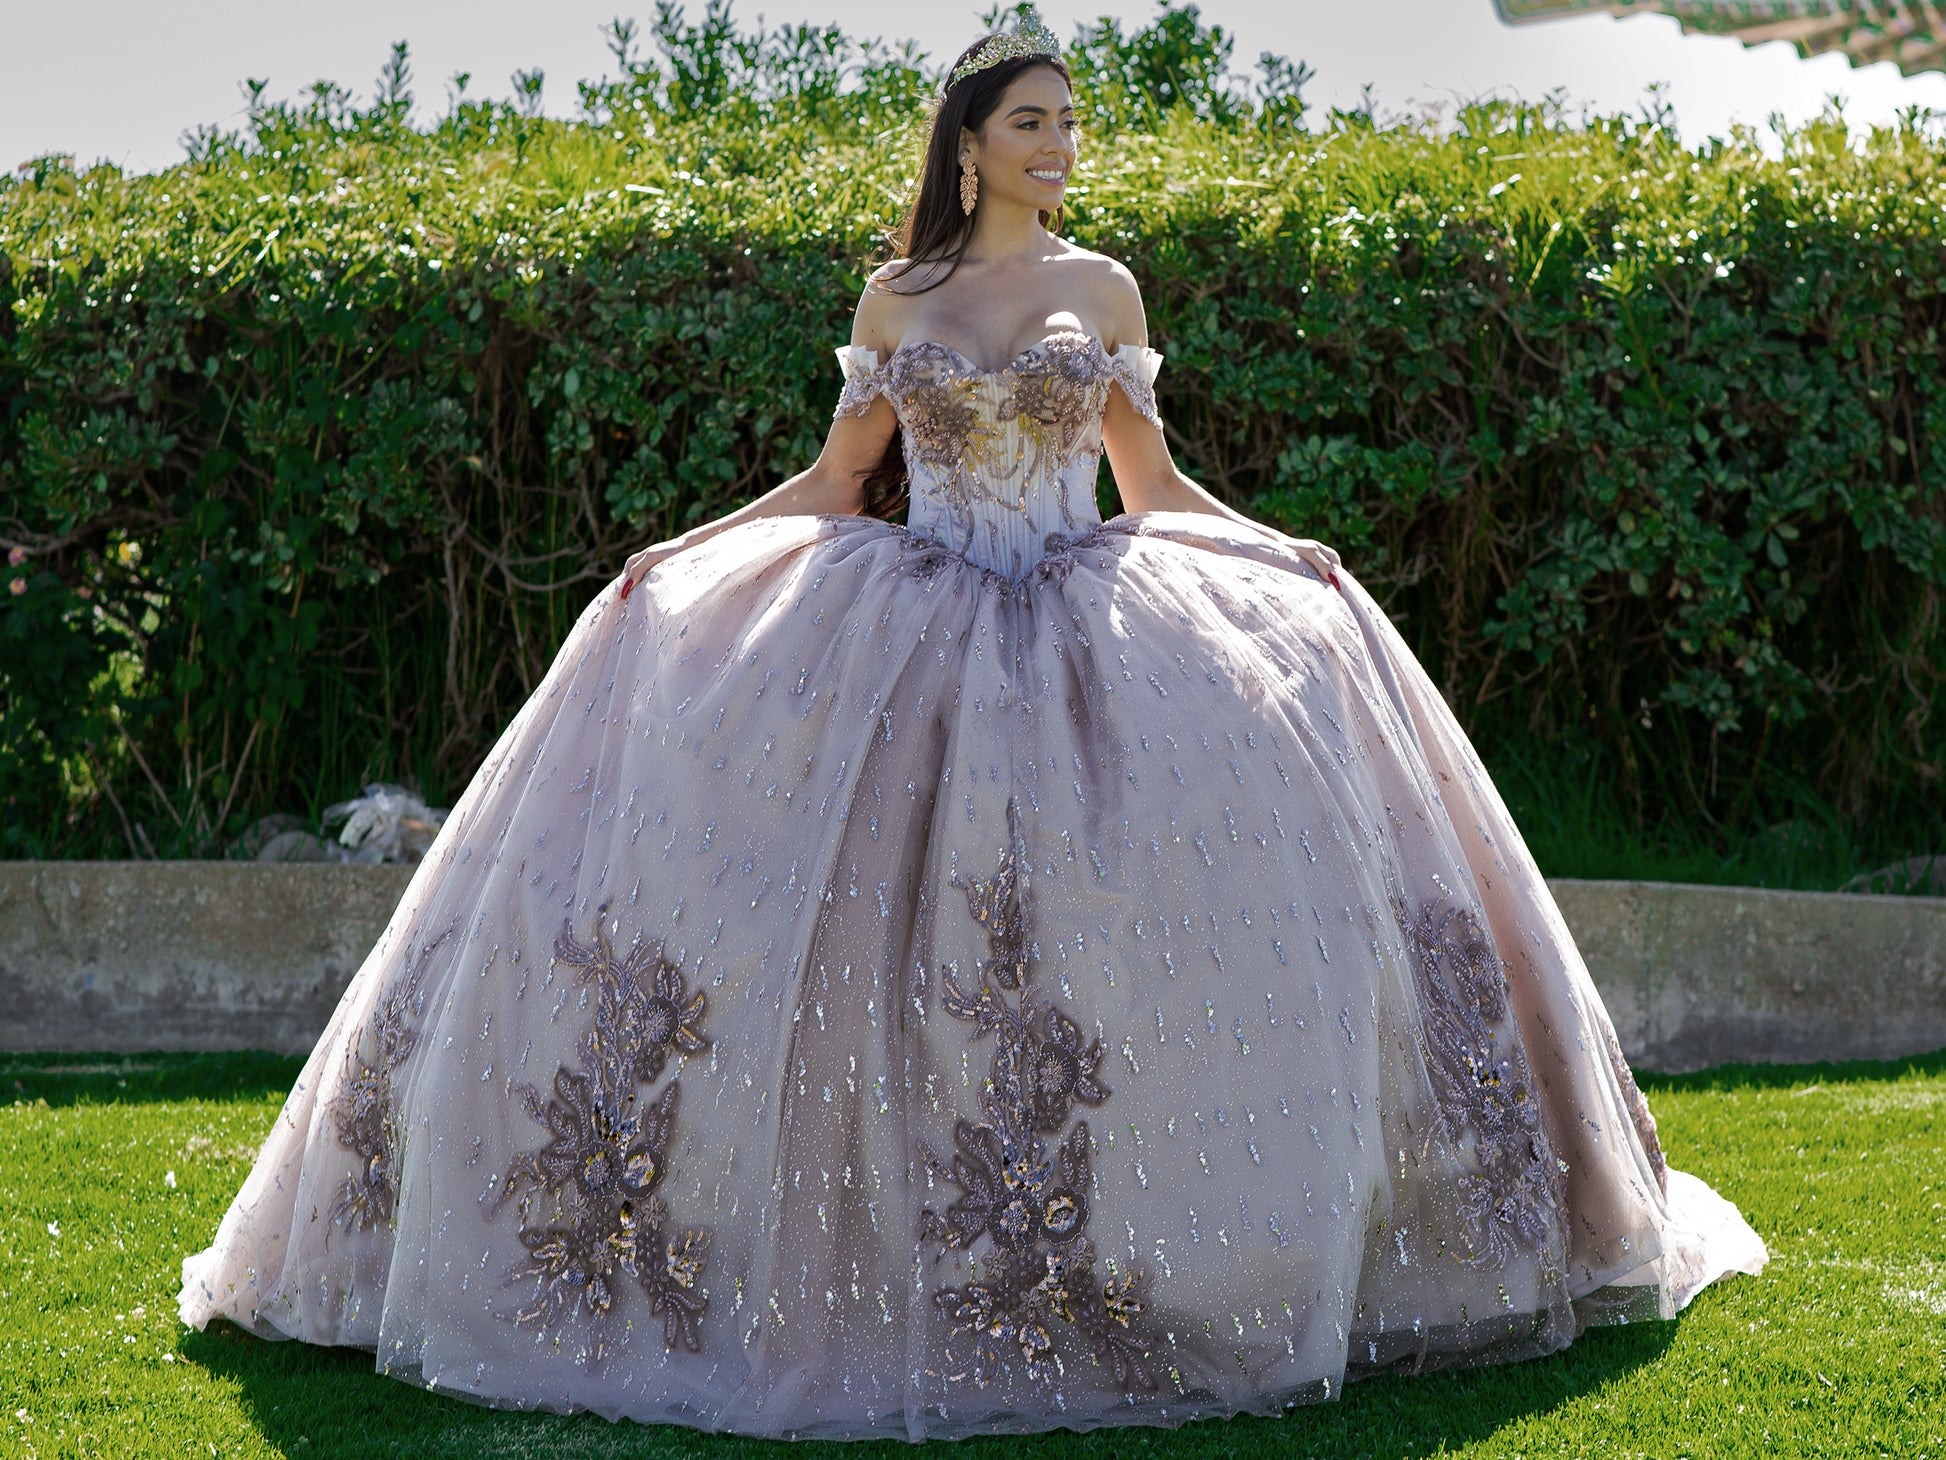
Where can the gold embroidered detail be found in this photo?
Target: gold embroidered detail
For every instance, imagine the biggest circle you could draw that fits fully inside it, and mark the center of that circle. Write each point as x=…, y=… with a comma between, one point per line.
x=1054, y=390
x=591, y=1212
x=365, y=1109
x=1516, y=1199
x=1031, y=1207
x=1050, y=401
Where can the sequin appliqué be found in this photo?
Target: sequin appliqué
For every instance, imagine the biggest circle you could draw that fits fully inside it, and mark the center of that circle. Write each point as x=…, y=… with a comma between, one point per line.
x=590, y=1213
x=1638, y=1109
x=1030, y=1203
x=1516, y=1198
x=366, y=1110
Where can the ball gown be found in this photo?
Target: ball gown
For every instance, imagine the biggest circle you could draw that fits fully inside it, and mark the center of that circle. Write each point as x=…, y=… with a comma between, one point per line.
x=1006, y=971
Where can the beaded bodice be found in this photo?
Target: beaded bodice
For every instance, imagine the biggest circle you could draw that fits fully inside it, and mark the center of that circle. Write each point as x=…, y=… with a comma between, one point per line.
x=1002, y=462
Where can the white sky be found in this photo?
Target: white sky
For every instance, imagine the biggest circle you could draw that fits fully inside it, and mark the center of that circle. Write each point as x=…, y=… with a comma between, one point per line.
x=124, y=79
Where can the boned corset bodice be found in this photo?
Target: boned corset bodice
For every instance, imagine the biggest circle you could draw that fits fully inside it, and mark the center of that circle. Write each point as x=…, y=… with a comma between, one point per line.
x=1003, y=462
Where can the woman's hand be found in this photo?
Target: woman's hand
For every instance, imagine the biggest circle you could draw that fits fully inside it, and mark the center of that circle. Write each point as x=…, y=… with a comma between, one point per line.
x=638, y=565
x=1324, y=561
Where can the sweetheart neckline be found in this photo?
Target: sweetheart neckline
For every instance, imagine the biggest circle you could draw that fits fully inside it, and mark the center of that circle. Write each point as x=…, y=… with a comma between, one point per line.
x=1013, y=360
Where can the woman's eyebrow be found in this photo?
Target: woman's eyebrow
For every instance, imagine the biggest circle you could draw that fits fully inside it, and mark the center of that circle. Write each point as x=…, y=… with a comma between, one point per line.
x=1039, y=111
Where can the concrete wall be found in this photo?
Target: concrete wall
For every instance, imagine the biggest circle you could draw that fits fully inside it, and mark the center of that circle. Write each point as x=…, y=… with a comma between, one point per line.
x=121, y=956
x=127, y=956
x=1700, y=976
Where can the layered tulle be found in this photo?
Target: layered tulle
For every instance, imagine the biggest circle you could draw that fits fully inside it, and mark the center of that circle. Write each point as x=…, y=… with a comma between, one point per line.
x=862, y=992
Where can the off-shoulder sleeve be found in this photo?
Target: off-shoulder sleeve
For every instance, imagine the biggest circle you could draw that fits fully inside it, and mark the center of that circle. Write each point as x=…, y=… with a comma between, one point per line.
x=1134, y=368
x=864, y=380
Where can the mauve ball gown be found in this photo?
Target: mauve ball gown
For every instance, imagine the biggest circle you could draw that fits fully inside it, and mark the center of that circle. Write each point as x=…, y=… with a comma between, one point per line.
x=1002, y=972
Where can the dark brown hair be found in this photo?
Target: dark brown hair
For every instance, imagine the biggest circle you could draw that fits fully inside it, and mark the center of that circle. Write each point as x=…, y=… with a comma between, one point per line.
x=937, y=230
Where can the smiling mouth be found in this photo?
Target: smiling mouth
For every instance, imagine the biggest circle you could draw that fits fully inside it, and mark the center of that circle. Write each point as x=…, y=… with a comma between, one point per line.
x=1048, y=175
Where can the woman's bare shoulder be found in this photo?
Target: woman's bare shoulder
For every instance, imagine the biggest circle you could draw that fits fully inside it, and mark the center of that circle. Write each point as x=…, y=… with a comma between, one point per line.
x=1094, y=264
x=1112, y=293
x=886, y=305
x=875, y=324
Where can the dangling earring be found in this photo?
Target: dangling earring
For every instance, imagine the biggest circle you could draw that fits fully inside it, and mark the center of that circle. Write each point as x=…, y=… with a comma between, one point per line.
x=969, y=186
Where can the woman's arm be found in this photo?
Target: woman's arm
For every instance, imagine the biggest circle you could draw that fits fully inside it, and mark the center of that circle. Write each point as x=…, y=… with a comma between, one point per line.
x=1145, y=471
x=831, y=484
x=834, y=483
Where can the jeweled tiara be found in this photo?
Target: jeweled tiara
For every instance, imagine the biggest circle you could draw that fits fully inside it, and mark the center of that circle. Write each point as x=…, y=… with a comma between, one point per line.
x=1029, y=37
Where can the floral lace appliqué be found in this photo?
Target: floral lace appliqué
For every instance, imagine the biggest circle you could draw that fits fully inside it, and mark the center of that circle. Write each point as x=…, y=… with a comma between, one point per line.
x=1030, y=1203
x=1638, y=1109
x=590, y=1214
x=1514, y=1201
x=365, y=1109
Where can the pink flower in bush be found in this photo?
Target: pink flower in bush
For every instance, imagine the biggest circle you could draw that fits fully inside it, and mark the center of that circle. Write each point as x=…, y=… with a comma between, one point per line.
x=17, y=587
x=16, y=556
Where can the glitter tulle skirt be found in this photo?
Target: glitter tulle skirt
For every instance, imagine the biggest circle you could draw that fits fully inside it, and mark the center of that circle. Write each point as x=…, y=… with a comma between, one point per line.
x=864, y=994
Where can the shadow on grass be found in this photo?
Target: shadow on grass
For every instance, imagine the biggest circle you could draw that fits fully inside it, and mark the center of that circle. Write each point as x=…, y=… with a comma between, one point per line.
x=104, y=1079
x=302, y=1398
x=131, y=1079
x=1721, y=1078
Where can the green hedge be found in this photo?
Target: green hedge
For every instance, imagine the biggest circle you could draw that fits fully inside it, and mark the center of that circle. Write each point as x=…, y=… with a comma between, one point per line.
x=314, y=445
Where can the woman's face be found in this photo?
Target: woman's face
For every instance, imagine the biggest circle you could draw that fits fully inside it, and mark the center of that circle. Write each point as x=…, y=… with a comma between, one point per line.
x=1028, y=148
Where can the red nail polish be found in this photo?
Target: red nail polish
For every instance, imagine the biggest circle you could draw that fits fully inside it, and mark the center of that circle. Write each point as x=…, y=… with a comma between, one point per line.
x=627, y=583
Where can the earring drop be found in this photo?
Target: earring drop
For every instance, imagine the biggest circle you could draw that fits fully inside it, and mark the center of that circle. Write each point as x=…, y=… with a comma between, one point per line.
x=969, y=186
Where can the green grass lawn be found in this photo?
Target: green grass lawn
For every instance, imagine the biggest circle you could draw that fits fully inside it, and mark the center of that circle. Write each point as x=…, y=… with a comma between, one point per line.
x=1839, y=1349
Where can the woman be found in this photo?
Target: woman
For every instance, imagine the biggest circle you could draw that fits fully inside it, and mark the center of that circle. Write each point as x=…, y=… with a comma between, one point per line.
x=1005, y=972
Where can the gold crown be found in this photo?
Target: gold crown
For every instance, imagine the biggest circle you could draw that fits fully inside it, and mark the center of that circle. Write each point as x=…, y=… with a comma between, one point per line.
x=1029, y=37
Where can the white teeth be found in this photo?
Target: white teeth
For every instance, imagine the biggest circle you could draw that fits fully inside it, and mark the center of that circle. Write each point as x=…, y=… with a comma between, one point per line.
x=1046, y=176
